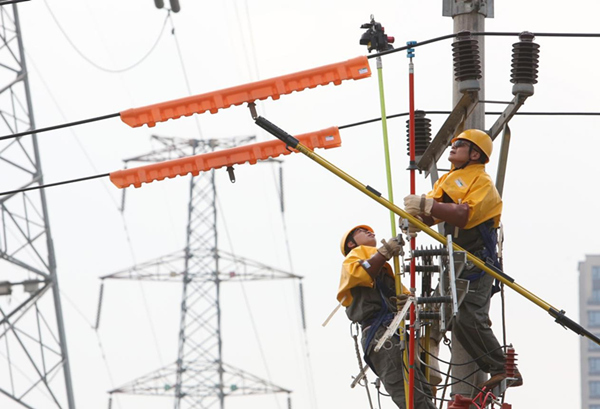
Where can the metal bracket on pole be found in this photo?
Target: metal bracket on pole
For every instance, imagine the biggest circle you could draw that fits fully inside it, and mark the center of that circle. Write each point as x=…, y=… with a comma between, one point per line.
x=438, y=145
x=507, y=115
x=500, y=175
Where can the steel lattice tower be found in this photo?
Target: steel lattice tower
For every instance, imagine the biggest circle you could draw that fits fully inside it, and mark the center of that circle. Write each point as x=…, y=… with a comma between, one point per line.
x=199, y=378
x=34, y=372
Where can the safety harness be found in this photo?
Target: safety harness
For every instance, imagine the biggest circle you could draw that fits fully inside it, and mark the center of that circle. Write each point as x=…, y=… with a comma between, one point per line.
x=490, y=253
x=383, y=317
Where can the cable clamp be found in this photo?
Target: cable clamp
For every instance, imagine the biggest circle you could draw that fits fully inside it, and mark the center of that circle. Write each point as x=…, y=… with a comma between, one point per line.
x=410, y=52
x=231, y=174
x=252, y=107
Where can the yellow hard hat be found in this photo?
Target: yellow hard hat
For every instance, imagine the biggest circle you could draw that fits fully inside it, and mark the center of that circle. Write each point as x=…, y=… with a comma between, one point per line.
x=481, y=139
x=345, y=237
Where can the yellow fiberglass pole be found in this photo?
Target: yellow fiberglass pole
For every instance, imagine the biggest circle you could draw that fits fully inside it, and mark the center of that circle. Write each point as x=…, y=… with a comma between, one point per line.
x=559, y=315
x=388, y=172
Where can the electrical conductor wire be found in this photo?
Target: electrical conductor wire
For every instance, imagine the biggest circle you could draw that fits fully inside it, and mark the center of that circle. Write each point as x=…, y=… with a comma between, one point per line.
x=112, y=71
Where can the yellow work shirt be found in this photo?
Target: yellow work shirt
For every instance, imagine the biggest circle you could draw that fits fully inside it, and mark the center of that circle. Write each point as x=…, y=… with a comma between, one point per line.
x=473, y=186
x=354, y=275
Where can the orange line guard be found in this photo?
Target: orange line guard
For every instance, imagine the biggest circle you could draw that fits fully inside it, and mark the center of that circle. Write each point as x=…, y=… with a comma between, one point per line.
x=355, y=69
x=326, y=138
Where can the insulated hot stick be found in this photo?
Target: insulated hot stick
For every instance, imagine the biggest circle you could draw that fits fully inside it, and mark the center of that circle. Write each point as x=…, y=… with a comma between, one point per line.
x=413, y=240
x=559, y=315
x=375, y=39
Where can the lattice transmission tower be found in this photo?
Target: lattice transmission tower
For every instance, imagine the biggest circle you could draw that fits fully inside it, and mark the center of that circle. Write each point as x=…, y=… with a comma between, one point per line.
x=199, y=378
x=34, y=364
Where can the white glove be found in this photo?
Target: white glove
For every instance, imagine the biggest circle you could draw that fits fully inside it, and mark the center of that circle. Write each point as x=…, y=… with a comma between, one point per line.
x=390, y=248
x=415, y=205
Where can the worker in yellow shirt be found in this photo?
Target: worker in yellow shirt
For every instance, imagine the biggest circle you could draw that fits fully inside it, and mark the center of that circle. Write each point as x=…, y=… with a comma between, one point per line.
x=467, y=202
x=367, y=290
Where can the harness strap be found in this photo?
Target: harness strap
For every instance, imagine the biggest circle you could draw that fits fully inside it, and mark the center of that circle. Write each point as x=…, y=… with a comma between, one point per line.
x=490, y=241
x=383, y=317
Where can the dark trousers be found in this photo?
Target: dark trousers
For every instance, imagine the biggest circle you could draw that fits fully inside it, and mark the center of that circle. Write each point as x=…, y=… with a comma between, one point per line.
x=472, y=330
x=387, y=364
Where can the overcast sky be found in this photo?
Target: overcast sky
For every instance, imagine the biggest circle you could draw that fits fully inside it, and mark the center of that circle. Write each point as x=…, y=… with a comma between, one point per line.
x=549, y=197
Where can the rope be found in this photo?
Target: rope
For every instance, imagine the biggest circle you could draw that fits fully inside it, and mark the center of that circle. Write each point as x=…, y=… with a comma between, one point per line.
x=360, y=367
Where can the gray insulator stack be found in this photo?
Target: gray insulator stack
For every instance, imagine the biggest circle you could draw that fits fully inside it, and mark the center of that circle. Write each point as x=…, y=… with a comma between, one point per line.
x=467, y=62
x=525, y=59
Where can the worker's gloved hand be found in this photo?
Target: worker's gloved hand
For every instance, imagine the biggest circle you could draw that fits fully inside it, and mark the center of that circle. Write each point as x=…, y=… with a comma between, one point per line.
x=399, y=301
x=415, y=205
x=390, y=248
x=408, y=228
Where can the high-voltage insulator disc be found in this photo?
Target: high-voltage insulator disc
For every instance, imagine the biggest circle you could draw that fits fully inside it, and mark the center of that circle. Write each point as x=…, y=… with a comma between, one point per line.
x=525, y=59
x=467, y=62
x=422, y=133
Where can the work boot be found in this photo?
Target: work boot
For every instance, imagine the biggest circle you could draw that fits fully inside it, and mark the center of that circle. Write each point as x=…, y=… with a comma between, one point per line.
x=518, y=380
x=493, y=381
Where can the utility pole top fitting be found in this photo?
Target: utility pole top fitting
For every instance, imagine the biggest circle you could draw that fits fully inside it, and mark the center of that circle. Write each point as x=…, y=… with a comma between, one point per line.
x=452, y=8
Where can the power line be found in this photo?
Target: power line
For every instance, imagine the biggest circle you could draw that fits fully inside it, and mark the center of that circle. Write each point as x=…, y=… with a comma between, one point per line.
x=65, y=125
x=370, y=56
x=65, y=182
x=476, y=34
x=110, y=70
x=548, y=113
x=368, y=121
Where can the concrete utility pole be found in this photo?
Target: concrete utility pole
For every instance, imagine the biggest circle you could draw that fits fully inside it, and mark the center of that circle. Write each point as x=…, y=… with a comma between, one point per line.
x=469, y=15
x=34, y=368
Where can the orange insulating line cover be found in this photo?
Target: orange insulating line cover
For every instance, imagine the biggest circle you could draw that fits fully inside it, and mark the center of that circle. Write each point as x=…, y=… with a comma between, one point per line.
x=355, y=69
x=326, y=138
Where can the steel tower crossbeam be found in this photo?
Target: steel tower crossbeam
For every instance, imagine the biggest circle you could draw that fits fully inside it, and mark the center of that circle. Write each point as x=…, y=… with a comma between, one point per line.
x=199, y=378
x=34, y=364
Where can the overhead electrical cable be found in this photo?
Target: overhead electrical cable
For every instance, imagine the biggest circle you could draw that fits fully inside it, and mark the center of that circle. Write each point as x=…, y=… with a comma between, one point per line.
x=65, y=182
x=110, y=70
x=491, y=34
x=184, y=70
x=92, y=326
x=249, y=54
x=152, y=122
x=65, y=125
x=125, y=227
x=100, y=118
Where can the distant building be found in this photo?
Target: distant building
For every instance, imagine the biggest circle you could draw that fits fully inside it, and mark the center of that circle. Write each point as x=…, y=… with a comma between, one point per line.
x=589, y=317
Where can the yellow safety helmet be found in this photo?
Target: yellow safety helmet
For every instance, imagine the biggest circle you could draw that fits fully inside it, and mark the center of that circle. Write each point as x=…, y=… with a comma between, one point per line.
x=481, y=139
x=347, y=235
